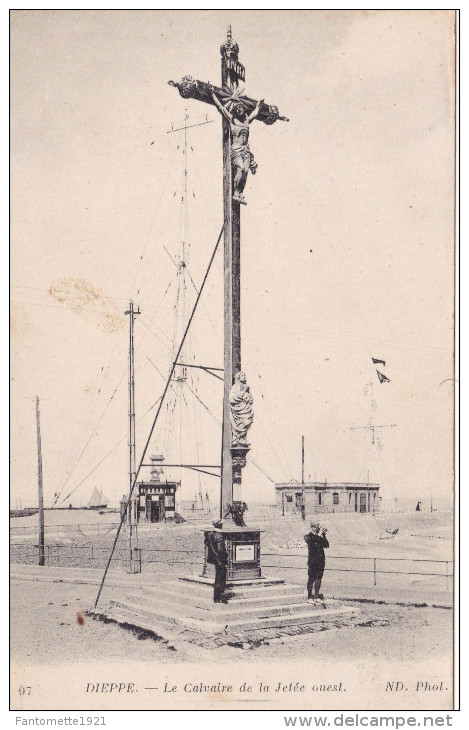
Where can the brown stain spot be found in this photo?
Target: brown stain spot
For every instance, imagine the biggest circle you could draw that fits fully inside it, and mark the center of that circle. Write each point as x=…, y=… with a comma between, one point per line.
x=77, y=294
x=111, y=318
x=82, y=297
x=80, y=619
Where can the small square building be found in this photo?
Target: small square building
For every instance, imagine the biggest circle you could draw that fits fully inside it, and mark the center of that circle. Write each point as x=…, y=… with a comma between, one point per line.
x=320, y=497
x=155, y=500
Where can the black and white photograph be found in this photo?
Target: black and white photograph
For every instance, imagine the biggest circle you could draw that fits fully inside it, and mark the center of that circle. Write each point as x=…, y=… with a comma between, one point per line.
x=232, y=300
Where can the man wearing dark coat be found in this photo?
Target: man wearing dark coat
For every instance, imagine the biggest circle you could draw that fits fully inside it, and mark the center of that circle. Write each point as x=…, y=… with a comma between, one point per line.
x=217, y=556
x=316, y=560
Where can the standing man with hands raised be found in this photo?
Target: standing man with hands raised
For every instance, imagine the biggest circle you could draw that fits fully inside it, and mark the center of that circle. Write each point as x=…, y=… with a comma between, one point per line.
x=316, y=560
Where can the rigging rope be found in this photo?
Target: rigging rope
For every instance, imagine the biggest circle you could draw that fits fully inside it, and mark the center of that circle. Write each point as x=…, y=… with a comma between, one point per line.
x=91, y=435
x=77, y=455
x=108, y=454
x=267, y=435
x=149, y=328
x=158, y=205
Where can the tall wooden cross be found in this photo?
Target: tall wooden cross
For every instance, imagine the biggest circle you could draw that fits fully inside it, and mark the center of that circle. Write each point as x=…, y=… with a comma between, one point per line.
x=238, y=111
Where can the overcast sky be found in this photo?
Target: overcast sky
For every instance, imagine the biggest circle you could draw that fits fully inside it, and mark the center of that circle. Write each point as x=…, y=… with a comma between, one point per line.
x=347, y=244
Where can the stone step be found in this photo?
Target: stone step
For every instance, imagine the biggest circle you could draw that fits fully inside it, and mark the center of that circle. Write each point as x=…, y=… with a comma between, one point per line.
x=173, y=633
x=222, y=620
x=176, y=635
x=244, y=584
x=224, y=612
x=140, y=611
x=303, y=617
x=204, y=589
x=165, y=630
x=282, y=602
x=164, y=615
x=188, y=604
x=205, y=598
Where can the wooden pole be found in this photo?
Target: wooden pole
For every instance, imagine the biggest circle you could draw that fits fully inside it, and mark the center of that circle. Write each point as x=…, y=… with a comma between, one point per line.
x=39, y=487
x=132, y=467
x=133, y=535
x=232, y=306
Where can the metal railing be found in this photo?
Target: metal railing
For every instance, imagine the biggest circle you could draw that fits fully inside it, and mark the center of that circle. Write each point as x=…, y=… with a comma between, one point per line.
x=447, y=574
x=94, y=556
x=97, y=528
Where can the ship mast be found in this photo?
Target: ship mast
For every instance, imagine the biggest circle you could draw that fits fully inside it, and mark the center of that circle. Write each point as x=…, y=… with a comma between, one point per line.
x=182, y=265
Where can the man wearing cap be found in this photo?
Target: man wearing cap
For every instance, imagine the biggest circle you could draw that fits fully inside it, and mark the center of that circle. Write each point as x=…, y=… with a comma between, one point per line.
x=316, y=560
x=217, y=556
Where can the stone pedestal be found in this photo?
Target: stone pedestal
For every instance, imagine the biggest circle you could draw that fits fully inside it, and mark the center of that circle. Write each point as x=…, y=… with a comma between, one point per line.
x=244, y=552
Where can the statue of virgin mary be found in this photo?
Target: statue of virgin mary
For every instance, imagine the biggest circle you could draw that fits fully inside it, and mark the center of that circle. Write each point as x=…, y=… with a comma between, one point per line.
x=241, y=411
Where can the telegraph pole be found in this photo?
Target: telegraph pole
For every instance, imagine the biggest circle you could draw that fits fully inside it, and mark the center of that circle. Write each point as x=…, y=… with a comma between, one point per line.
x=133, y=504
x=39, y=487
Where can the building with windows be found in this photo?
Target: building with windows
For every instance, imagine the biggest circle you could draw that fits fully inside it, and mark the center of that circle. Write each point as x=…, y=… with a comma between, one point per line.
x=322, y=497
x=155, y=500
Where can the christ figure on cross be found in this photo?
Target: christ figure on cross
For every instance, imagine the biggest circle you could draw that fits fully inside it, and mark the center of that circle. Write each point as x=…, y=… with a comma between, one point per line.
x=242, y=159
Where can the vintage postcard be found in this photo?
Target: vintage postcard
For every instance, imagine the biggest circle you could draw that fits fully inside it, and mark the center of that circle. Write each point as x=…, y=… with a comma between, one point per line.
x=232, y=330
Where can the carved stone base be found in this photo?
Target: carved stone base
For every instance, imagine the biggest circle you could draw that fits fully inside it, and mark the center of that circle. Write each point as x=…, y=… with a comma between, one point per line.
x=238, y=456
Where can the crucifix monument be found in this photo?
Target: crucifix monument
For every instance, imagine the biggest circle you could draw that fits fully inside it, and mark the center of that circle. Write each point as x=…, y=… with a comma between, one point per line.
x=238, y=112
x=231, y=547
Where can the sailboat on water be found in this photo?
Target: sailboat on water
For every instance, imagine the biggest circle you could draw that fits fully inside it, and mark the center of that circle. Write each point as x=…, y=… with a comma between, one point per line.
x=98, y=500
